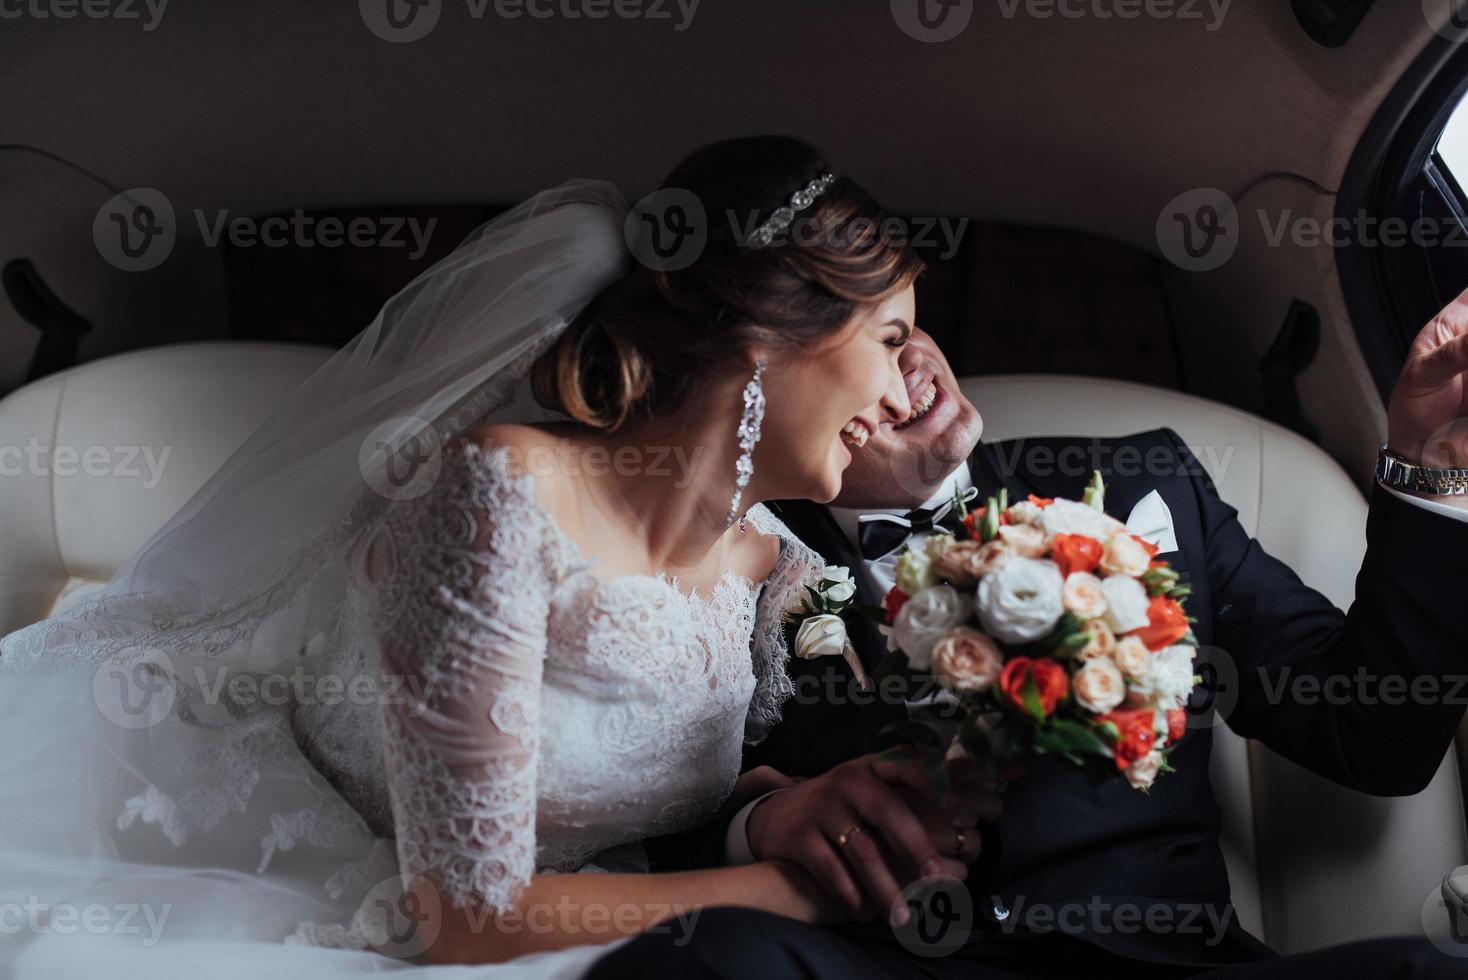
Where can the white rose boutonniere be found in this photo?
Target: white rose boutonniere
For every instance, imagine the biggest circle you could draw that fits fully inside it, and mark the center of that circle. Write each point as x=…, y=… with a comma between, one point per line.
x=820, y=629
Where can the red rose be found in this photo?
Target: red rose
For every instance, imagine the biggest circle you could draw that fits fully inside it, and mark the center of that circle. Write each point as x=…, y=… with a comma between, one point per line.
x=1051, y=682
x=1136, y=734
x=1177, y=723
x=1166, y=623
x=1076, y=553
x=1041, y=501
x=893, y=602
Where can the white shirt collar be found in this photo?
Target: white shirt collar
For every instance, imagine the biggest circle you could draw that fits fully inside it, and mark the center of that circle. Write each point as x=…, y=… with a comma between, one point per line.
x=847, y=518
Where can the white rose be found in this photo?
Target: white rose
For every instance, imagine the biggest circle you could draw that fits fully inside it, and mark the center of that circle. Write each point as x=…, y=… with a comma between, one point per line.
x=1124, y=555
x=837, y=583
x=924, y=619
x=1082, y=595
x=966, y=660
x=1098, y=686
x=1020, y=602
x=1142, y=772
x=820, y=636
x=1025, y=541
x=937, y=544
x=1126, y=603
x=1072, y=517
x=1133, y=658
x=1170, y=681
x=1025, y=512
x=915, y=571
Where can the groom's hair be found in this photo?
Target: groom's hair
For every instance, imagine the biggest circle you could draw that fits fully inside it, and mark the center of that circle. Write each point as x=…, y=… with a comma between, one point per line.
x=642, y=343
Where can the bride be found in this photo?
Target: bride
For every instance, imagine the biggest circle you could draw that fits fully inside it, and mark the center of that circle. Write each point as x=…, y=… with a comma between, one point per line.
x=418, y=668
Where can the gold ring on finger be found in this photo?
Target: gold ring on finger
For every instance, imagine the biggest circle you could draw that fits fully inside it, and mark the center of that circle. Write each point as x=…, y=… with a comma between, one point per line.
x=847, y=834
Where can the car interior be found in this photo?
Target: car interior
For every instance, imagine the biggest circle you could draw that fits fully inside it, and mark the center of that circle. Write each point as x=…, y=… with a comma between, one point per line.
x=1073, y=178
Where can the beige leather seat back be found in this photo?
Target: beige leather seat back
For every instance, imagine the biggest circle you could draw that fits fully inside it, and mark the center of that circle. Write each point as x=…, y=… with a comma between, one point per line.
x=1311, y=863
x=97, y=458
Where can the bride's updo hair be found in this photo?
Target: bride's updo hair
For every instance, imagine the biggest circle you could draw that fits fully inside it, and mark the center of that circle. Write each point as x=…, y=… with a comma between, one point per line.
x=641, y=345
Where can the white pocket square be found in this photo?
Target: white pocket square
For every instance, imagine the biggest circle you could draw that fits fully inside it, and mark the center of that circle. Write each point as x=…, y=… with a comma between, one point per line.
x=1151, y=521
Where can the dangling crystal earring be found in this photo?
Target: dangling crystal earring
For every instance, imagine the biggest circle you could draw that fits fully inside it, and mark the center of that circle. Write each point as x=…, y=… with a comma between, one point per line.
x=749, y=426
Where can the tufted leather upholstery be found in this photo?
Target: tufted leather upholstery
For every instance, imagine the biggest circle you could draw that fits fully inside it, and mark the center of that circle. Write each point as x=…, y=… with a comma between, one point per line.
x=1311, y=864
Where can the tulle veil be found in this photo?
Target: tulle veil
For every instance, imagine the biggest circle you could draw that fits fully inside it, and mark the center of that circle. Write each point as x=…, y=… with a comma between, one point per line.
x=153, y=819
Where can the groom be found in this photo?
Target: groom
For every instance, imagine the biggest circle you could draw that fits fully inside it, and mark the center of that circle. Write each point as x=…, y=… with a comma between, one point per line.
x=1084, y=851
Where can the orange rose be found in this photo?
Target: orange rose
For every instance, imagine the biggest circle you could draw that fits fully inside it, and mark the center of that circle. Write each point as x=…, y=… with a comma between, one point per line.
x=1051, y=684
x=1166, y=623
x=1076, y=553
x=1136, y=734
x=1040, y=501
x=1177, y=724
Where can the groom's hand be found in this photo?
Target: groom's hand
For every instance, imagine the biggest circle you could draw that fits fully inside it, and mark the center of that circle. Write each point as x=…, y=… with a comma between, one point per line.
x=894, y=826
x=1427, y=419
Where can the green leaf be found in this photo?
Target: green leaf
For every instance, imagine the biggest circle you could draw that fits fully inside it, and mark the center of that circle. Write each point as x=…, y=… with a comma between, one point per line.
x=1077, y=736
x=1030, y=694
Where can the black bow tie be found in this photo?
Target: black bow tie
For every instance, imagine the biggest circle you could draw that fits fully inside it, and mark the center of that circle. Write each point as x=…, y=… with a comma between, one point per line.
x=881, y=534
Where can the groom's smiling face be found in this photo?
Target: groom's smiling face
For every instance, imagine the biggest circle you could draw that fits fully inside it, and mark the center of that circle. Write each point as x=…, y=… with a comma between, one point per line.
x=904, y=464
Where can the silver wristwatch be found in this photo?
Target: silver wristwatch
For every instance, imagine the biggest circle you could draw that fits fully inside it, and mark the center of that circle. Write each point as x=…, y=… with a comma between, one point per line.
x=1401, y=473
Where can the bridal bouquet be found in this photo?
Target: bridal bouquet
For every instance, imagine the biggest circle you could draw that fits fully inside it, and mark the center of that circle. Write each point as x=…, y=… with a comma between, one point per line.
x=1055, y=630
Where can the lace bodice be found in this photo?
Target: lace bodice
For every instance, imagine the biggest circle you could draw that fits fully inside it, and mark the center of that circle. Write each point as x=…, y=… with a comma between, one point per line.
x=538, y=716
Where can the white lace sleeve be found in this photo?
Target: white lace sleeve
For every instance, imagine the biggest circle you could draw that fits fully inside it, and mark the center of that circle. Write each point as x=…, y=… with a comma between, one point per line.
x=463, y=579
x=797, y=567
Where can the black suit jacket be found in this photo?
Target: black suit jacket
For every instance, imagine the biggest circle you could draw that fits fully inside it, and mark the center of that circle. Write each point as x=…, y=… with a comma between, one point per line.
x=1070, y=839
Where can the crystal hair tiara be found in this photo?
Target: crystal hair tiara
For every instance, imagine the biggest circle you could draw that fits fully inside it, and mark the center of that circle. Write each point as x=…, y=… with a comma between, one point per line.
x=782, y=217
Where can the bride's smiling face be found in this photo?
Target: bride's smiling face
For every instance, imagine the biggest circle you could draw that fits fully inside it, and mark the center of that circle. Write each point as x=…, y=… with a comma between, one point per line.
x=824, y=402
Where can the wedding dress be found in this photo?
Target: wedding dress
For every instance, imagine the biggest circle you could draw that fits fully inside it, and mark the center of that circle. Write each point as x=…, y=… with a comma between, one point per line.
x=225, y=767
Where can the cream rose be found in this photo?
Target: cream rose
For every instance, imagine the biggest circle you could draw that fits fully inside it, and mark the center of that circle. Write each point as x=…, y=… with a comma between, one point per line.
x=1126, y=603
x=1026, y=541
x=1082, y=595
x=1025, y=512
x=1133, y=658
x=914, y=571
x=924, y=619
x=1098, y=686
x=966, y=660
x=1124, y=555
x=1142, y=772
x=837, y=583
x=1021, y=601
x=1102, y=641
x=820, y=636
x=965, y=562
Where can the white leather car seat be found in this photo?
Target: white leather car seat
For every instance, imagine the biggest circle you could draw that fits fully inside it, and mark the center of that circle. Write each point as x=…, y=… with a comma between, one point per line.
x=1311, y=864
